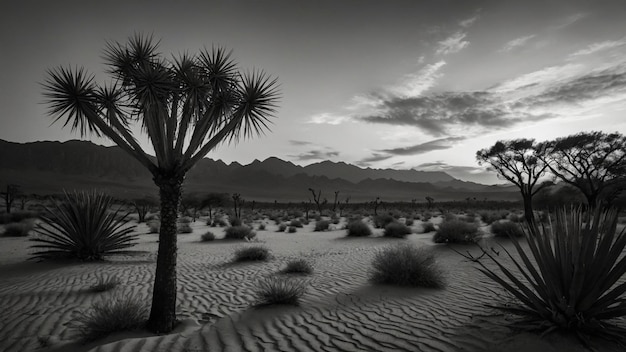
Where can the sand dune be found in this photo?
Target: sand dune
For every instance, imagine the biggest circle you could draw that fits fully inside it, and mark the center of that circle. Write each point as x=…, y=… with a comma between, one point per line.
x=341, y=310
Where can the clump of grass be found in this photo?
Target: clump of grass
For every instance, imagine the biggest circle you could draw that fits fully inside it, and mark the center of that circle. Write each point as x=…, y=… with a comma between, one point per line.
x=154, y=226
x=185, y=220
x=506, y=229
x=218, y=221
x=17, y=216
x=456, y=231
x=207, y=237
x=261, y=227
x=381, y=221
x=105, y=283
x=406, y=265
x=108, y=316
x=428, y=226
x=251, y=253
x=239, y=233
x=282, y=227
x=489, y=217
x=397, y=230
x=184, y=227
x=322, y=225
x=292, y=229
x=18, y=229
x=409, y=221
x=358, y=229
x=235, y=222
x=283, y=291
x=298, y=266
x=295, y=223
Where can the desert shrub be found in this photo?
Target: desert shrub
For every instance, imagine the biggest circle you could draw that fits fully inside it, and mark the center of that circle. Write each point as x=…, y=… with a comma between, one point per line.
x=154, y=226
x=185, y=220
x=295, y=223
x=426, y=216
x=304, y=221
x=278, y=290
x=282, y=227
x=239, y=233
x=322, y=225
x=516, y=218
x=292, y=229
x=335, y=220
x=298, y=266
x=82, y=227
x=468, y=218
x=17, y=216
x=184, y=228
x=358, y=229
x=18, y=229
x=428, y=226
x=489, y=217
x=406, y=265
x=506, y=229
x=113, y=315
x=251, y=253
x=217, y=221
x=207, y=237
x=397, y=230
x=456, y=231
x=381, y=221
x=409, y=221
x=104, y=283
x=570, y=275
x=235, y=222
x=261, y=227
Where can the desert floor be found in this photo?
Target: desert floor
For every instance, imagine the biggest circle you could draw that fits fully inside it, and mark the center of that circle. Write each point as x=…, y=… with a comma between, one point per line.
x=341, y=311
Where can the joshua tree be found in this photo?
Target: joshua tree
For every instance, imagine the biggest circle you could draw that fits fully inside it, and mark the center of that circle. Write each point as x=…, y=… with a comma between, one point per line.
x=316, y=199
x=430, y=201
x=187, y=106
x=343, y=206
x=336, y=200
x=518, y=162
x=143, y=206
x=214, y=200
x=307, y=207
x=376, y=203
x=237, y=204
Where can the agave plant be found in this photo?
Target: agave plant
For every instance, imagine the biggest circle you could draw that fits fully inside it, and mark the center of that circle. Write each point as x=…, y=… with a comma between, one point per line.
x=571, y=275
x=82, y=227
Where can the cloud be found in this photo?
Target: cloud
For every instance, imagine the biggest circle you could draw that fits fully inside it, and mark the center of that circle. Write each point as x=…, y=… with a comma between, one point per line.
x=437, y=144
x=469, y=21
x=470, y=173
x=452, y=44
x=416, y=83
x=299, y=143
x=375, y=157
x=597, y=47
x=316, y=154
x=568, y=21
x=516, y=43
x=328, y=118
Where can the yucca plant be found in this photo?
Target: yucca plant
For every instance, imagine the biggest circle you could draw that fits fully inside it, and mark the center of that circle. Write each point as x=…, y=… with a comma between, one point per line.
x=82, y=227
x=569, y=280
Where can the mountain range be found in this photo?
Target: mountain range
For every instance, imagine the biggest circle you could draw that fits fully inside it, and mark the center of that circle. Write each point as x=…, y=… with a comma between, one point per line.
x=49, y=167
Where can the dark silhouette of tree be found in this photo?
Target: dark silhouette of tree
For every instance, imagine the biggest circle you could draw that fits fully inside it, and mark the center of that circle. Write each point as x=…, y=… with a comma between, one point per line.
x=237, y=204
x=376, y=203
x=10, y=195
x=517, y=161
x=143, y=206
x=186, y=105
x=343, y=206
x=335, y=201
x=430, y=201
x=317, y=200
x=212, y=200
x=590, y=161
x=190, y=205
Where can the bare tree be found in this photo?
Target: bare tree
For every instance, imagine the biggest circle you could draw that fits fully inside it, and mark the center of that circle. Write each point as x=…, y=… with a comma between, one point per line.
x=143, y=206
x=431, y=201
x=590, y=161
x=517, y=161
x=10, y=194
x=317, y=200
x=376, y=203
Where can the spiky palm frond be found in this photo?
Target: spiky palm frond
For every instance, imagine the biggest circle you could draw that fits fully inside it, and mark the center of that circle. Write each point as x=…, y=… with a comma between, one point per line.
x=71, y=92
x=82, y=227
x=571, y=276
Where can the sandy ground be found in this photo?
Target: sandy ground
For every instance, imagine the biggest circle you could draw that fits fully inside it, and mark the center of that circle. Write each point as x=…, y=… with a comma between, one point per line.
x=341, y=311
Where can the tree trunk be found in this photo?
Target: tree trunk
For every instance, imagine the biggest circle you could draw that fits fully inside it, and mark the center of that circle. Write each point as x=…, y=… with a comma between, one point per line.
x=528, y=208
x=592, y=199
x=163, y=311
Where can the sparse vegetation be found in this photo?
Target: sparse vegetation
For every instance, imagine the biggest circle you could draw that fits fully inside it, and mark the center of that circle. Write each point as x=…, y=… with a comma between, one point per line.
x=489, y=217
x=295, y=223
x=105, y=283
x=397, y=230
x=298, y=266
x=112, y=315
x=322, y=225
x=207, y=237
x=239, y=233
x=428, y=226
x=154, y=226
x=278, y=290
x=18, y=229
x=409, y=221
x=82, y=227
x=381, y=221
x=282, y=227
x=292, y=229
x=406, y=265
x=184, y=227
x=251, y=253
x=456, y=231
x=506, y=229
x=358, y=229
x=261, y=227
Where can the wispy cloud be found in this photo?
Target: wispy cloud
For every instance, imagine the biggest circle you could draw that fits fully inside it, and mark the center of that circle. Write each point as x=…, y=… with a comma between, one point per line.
x=570, y=20
x=416, y=83
x=437, y=144
x=597, y=47
x=328, y=118
x=299, y=143
x=469, y=21
x=375, y=157
x=475, y=173
x=316, y=154
x=453, y=44
x=516, y=43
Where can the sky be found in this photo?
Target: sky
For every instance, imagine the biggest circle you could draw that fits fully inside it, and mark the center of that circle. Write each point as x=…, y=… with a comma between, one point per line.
x=383, y=84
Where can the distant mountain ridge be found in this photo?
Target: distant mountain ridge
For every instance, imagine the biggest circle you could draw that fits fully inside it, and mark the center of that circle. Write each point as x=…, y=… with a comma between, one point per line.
x=50, y=166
